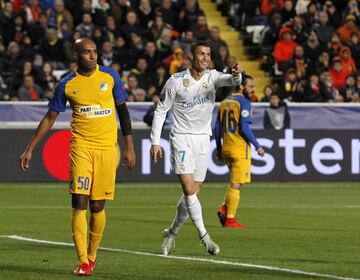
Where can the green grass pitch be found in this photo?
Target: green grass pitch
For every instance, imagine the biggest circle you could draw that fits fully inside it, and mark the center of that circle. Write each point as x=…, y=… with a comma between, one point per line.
x=308, y=227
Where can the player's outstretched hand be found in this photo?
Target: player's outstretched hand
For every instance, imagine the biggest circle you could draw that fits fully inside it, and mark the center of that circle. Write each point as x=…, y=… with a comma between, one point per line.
x=156, y=153
x=237, y=69
x=25, y=160
x=261, y=152
x=129, y=158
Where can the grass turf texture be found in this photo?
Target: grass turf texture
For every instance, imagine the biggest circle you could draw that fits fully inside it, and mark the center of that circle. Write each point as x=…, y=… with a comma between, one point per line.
x=310, y=227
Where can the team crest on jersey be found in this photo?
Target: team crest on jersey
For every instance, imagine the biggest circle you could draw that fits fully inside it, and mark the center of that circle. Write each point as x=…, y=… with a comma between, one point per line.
x=205, y=85
x=104, y=86
x=186, y=82
x=245, y=113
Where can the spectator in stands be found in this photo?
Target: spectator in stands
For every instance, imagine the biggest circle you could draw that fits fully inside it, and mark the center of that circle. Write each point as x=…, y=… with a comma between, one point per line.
x=136, y=47
x=277, y=114
x=122, y=52
x=29, y=91
x=270, y=34
x=348, y=28
x=355, y=49
x=107, y=55
x=7, y=17
x=58, y=13
x=27, y=48
x=311, y=16
x=152, y=55
x=119, y=9
x=188, y=16
x=145, y=12
x=131, y=86
x=267, y=91
x=312, y=46
x=323, y=28
x=269, y=7
x=47, y=79
x=215, y=42
x=352, y=9
x=19, y=29
x=51, y=48
x=187, y=39
x=110, y=31
x=139, y=95
x=86, y=27
x=18, y=75
x=312, y=90
x=289, y=85
x=167, y=11
x=337, y=73
x=178, y=61
x=287, y=12
x=328, y=91
x=164, y=43
x=322, y=63
x=131, y=26
x=301, y=6
x=98, y=37
x=12, y=59
x=144, y=77
x=201, y=30
x=161, y=76
x=221, y=58
x=157, y=26
x=298, y=29
x=37, y=30
x=347, y=61
x=350, y=89
x=299, y=62
x=334, y=16
x=284, y=48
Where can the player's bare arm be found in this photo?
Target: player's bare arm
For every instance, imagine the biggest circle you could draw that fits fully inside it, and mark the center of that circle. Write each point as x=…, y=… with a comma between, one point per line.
x=156, y=153
x=126, y=129
x=44, y=126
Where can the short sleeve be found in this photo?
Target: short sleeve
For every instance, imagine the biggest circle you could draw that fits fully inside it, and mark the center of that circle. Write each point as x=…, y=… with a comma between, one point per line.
x=245, y=110
x=57, y=102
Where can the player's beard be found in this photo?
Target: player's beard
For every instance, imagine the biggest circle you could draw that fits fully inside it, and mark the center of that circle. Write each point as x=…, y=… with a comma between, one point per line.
x=247, y=94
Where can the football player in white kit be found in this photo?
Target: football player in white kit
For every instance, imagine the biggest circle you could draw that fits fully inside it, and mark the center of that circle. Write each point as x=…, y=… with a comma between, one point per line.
x=191, y=95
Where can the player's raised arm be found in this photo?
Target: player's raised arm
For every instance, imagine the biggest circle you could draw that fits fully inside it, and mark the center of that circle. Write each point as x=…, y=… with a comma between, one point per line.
x=233, y=79
x=44, y=126
x=164, y=104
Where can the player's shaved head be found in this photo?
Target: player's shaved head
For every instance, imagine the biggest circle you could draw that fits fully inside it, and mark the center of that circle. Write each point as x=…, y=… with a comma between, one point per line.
x=85, y=55
x=81, y=43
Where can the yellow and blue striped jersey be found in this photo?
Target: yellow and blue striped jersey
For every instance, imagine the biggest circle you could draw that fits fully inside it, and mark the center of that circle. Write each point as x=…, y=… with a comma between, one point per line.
x=232, y=125
x=93, y=101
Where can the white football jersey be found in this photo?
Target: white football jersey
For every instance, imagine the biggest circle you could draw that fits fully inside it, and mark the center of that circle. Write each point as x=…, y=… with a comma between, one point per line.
x=192, y=102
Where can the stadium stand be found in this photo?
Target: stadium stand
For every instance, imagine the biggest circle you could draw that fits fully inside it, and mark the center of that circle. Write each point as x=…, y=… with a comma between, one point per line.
x=142, y=38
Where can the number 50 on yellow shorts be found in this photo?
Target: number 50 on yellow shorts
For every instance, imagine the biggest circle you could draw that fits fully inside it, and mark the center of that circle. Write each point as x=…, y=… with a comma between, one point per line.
x=93, y=172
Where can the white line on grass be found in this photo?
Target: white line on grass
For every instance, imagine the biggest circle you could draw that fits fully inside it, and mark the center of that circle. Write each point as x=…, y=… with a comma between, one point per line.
x=206, y=260
x=306, y=207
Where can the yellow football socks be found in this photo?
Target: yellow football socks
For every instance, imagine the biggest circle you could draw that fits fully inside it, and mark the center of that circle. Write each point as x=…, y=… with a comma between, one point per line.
x=232, y=200
x=79, y=231
x=97, y=226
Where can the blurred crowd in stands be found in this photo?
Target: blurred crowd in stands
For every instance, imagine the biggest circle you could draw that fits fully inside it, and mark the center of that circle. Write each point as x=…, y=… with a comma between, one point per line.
x=310, y=48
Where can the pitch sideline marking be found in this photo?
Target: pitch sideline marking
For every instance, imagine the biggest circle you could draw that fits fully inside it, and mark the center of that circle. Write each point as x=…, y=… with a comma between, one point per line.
x=134, y=252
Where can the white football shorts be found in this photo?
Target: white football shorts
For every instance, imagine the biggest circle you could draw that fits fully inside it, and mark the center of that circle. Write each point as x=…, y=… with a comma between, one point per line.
x=190, y=154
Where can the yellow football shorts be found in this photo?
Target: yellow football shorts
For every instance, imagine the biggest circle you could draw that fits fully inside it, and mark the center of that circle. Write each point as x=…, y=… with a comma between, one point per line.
x=93, y=172
x=239, y=169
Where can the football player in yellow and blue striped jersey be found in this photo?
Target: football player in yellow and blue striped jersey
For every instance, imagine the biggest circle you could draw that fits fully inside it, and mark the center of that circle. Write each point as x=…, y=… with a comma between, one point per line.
x=233, y=126
x=94, y=93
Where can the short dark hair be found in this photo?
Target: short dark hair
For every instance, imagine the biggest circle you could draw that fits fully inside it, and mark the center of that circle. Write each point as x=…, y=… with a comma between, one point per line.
x=244, y=80
x=198, y=44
